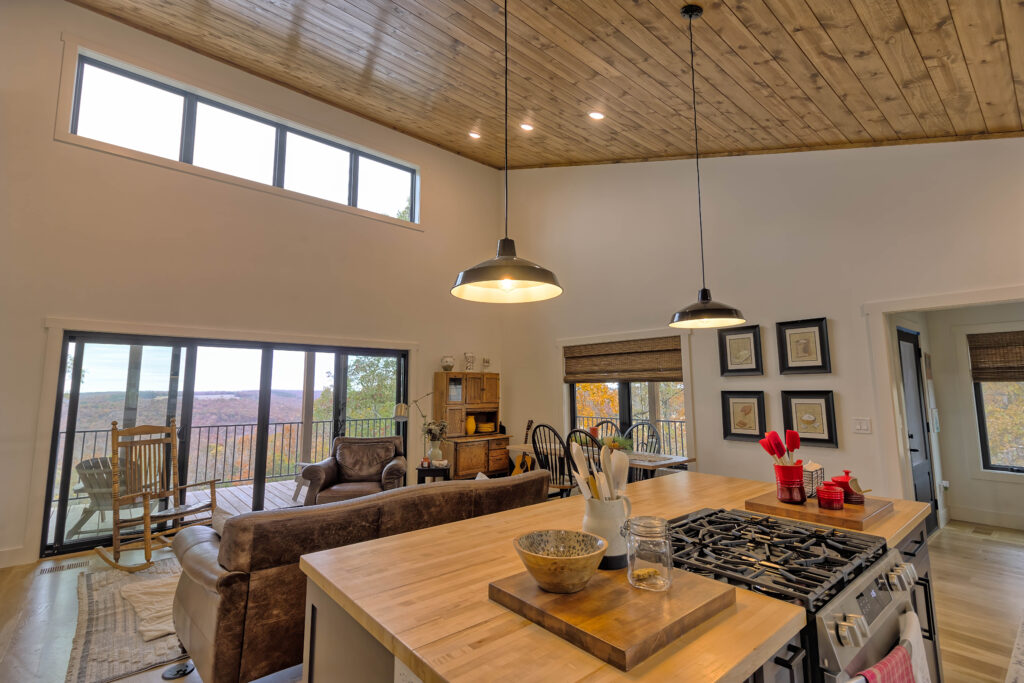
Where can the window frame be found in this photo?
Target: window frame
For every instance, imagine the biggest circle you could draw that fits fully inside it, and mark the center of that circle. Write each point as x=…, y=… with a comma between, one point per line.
x=986, y=457
x=187, y=147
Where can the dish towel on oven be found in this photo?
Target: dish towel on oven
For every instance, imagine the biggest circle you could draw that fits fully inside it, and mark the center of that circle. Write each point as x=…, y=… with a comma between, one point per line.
x=910, y=633
x=895, y=668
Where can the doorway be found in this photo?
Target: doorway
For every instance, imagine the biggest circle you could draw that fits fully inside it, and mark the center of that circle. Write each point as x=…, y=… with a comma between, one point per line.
x=917, y=426
x=249, y=414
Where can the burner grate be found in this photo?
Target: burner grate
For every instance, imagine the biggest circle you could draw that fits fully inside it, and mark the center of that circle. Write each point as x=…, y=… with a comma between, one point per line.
x=796, y=561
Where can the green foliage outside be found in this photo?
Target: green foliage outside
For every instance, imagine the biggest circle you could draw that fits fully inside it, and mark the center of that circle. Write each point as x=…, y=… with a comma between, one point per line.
x=371, y=390
x=1004, y=420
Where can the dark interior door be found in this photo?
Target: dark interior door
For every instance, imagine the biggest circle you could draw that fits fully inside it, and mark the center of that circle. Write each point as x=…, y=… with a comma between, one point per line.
x=917, y=424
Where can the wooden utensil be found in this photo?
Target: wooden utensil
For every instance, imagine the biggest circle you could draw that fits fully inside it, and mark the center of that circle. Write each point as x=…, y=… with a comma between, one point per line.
x=602, y=486
x=581, y=460
x=620, y=472
x=606, y=468
x=584, y=486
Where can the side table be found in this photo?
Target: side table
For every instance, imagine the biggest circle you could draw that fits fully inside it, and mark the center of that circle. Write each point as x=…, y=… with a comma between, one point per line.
x=423, y=472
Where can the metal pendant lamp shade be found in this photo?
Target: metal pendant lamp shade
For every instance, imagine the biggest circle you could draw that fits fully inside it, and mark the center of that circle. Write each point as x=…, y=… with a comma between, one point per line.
x=506, y=278
x=706, y=313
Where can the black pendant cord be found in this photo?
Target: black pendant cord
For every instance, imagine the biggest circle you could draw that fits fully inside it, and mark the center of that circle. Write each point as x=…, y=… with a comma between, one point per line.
x=506, y=118
x=696, y=152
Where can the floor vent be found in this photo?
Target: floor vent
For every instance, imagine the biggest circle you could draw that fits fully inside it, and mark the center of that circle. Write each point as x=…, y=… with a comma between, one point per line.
x=64, y=567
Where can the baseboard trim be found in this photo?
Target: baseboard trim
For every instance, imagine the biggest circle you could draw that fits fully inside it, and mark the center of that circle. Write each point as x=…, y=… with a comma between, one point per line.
x=1010, y=520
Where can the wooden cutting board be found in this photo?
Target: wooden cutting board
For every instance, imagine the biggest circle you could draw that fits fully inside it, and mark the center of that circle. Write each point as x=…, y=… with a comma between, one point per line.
x=612, y=620
x=855, y=517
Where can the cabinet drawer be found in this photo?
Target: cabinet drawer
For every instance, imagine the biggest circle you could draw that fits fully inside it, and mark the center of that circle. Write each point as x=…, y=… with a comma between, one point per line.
x=498, y=445
x=498, y=460
x=470, y=458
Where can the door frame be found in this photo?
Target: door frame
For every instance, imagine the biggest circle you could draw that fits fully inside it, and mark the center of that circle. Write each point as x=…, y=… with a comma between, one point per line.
x=913, y=337
x=190, y=345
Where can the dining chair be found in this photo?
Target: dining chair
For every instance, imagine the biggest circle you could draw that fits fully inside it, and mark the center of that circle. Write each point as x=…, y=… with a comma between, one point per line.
x=591, y=448
x=552, y=455
x=606, y=428
x=645, y=436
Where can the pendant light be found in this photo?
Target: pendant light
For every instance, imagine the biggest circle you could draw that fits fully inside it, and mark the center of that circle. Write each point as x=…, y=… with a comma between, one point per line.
x=707, y=312
x=506, y=278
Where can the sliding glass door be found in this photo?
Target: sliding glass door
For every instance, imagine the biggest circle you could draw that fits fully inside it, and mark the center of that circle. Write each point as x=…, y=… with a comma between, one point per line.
x=250, y=415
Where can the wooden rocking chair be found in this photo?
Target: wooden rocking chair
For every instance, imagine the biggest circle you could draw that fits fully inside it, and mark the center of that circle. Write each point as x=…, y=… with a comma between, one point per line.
x=145, y=475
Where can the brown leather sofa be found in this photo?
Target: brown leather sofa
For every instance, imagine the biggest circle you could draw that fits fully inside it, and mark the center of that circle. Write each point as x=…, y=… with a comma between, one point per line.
x=240, y=603
x=356, y=467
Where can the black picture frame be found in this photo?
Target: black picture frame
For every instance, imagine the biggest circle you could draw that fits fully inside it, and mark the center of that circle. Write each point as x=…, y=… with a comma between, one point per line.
x=814, y=328
x=826, y=402
x=724, y=356
x=728, y=428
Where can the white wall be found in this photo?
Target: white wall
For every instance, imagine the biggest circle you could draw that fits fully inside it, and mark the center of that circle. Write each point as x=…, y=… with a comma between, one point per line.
x=787, y=237
x=974, y=495
x=89, y=235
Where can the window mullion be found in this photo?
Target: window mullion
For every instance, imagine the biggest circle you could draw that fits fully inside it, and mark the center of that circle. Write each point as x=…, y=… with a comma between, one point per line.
x=188, y=129
x=279, y=155
x=353, y=178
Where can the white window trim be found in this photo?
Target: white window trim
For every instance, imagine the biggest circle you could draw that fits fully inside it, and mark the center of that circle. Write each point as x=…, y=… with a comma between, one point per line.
x=75, y=46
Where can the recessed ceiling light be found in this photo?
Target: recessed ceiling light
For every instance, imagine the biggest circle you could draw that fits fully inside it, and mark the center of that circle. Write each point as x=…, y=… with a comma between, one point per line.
x=473, y=134
x=596, y=115
x=525, y=126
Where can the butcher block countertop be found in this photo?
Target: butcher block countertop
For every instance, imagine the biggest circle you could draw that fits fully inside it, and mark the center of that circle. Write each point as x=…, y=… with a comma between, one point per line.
x=423, y=594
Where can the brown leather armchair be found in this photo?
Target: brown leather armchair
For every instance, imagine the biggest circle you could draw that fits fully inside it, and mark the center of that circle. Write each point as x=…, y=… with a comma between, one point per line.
x=356, y=467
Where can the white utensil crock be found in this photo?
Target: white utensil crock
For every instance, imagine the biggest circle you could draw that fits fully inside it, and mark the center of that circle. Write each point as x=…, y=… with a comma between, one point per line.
x=605, y=518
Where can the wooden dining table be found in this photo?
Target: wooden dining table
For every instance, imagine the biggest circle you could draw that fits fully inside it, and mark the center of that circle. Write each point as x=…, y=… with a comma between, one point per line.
x=641, y=465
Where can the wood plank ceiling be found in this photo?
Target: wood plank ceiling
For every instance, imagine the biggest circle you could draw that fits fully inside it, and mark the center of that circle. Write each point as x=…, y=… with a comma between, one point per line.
x=772, y=75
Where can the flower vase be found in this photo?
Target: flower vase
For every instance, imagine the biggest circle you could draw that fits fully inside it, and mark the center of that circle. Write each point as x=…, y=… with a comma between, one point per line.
x=789, y=484
x=434, y=452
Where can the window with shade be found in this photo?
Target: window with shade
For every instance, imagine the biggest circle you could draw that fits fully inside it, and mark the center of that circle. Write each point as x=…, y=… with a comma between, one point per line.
x=997, y=370
x=617, y=385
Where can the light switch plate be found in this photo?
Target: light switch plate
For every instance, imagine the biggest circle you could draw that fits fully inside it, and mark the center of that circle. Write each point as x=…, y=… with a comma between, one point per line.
x=862, y=425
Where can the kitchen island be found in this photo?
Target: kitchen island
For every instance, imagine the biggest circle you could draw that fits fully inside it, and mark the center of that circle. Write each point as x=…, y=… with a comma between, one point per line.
x=418, y=601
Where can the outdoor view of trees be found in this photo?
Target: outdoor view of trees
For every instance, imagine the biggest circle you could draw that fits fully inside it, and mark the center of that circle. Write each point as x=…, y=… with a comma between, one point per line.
x=1004, y=421
x=661, y=403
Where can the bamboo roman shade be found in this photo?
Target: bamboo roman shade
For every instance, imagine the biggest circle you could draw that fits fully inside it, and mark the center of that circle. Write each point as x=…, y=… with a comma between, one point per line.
x=638, y=360
x=997, y=356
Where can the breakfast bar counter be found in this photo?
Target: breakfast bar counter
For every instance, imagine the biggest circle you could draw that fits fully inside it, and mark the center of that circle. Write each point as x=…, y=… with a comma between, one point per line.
x=418, y=602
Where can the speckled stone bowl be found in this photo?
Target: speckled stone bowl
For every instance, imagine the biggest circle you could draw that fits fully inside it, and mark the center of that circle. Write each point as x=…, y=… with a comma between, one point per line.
x=560, y=561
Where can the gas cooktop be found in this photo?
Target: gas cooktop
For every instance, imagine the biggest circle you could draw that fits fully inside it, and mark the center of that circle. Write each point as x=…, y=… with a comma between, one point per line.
x=803, y=563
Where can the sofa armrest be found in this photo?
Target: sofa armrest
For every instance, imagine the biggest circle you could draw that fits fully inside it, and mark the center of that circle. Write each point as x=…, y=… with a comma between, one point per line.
x=320, y=475
x=393, y=476
x=197, y=549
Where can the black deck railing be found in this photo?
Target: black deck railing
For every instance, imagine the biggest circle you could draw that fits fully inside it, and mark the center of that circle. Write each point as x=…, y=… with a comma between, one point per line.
x=672, y=432
x=227, y=452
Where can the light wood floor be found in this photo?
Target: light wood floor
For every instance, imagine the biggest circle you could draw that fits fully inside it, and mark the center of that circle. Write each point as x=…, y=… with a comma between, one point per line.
x=979, y=596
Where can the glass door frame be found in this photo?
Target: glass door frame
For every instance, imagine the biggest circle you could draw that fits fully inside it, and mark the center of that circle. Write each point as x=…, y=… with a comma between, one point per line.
x=190, y=345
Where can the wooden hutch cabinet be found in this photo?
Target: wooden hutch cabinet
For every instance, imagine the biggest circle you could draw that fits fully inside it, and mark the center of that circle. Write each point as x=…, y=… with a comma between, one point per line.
x=457, y=396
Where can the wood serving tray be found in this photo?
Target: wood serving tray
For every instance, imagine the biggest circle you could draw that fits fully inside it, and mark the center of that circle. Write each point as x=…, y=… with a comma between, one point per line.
x=612, y=620
x=850, y=517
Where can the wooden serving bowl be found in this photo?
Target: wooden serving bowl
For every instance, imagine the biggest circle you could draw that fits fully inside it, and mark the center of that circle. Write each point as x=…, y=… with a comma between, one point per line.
x=559, y=560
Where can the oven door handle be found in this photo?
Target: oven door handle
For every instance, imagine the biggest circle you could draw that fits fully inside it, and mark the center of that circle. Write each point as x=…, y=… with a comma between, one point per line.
x=929, y=632
x=792, y=662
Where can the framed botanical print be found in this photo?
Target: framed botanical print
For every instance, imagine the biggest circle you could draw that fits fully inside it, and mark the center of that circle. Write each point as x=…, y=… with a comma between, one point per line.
x=812, y=414
x=803, y=346
x=739, y=350
x=743, y=416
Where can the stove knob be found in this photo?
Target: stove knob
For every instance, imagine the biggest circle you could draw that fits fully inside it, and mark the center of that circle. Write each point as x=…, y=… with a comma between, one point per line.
x=848, y=634
x=910, y=571
x=861, y=624
x=897, y=580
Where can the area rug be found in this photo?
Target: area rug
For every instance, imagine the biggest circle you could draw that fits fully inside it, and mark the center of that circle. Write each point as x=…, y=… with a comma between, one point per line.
x=108, y=644
x=1015, y=674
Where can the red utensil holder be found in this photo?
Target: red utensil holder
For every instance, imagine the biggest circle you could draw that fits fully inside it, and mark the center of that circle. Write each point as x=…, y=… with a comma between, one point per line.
x=789, y=484
x=830, y=497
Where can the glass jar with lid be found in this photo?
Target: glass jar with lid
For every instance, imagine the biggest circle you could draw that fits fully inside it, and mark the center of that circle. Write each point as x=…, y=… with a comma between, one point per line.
x=648, y=552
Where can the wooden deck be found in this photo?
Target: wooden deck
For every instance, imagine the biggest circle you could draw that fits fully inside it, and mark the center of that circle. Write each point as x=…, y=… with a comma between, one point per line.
x=231, y=501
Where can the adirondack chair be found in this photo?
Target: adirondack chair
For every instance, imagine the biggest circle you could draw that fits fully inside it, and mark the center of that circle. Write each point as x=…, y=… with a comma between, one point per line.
x=147, y=474
x=96, y=478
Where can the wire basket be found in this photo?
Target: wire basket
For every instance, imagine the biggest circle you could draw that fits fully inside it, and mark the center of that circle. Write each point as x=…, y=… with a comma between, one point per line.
x=814, y=476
